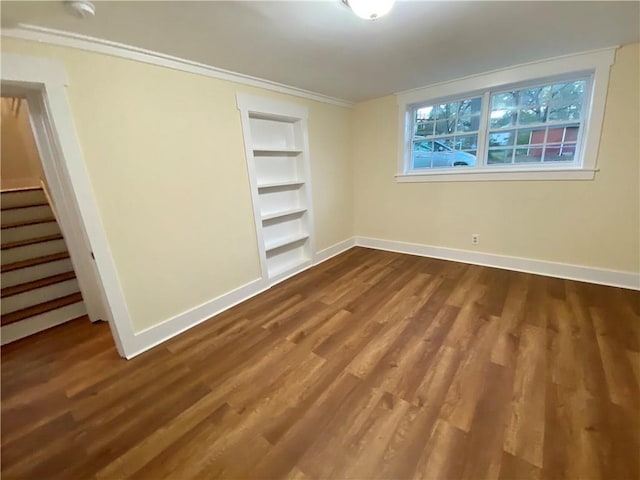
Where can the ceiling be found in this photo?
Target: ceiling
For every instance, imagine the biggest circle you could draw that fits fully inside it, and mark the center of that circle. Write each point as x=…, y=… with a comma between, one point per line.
x=323, y=47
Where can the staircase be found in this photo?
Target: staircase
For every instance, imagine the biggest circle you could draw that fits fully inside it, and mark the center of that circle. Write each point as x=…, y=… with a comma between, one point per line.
x=39, y=288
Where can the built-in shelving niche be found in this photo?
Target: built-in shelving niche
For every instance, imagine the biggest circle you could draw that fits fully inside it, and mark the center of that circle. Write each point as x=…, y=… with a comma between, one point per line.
x=276, y=145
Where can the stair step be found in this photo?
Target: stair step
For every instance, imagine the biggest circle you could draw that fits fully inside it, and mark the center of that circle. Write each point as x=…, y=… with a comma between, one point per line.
x=29, y=326
x=28, y=252
x=25, y=214
x=27, y=232
x=22, y=197
x=31, y=241
x=37, y=296
x=15, y=207
x=18, y=315
x=43, y=282
x=34, y=261
x=36, y=272
x=35, y=221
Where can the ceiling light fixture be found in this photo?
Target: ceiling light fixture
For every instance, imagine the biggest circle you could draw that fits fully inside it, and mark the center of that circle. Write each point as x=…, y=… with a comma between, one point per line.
x=369, y=9
x=82, y=8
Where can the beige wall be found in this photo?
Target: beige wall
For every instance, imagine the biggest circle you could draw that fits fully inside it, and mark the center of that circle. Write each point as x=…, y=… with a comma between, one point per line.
x=591, y=223
x=165, y=156
x=20, y=163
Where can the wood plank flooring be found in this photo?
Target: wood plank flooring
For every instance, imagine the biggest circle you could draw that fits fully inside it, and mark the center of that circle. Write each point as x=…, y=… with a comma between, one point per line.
x=371, y=365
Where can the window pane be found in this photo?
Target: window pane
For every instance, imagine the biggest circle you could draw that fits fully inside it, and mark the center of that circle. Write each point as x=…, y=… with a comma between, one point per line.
x=502, y=101
x=468, y=124
x=559, y=153
x=536, y=96
x=424, y=128
x=425, y=113
x=502, y=118
x=528, y=155
x=440, y=153
x=532, y=115
x=467, y=142
x=501, y=139
x=570, y=91
x=530, y=136
x=564, y=112
x=444, y=127
x=500, y=156
x=470, y=107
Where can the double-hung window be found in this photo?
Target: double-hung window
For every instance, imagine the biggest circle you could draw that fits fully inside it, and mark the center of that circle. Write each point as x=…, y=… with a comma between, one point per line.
x=543, y=127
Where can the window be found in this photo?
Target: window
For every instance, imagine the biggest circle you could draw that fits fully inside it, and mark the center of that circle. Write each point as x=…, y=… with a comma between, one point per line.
x=543, y=124
x=446, y=134
x=533, y=124
x=536, y=124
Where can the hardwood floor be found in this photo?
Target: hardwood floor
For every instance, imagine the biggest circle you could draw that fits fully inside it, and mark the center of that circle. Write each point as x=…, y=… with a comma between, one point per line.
x=371, y=365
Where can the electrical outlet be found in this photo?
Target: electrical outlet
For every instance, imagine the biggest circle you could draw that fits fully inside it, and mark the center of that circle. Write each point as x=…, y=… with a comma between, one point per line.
x=475, y=238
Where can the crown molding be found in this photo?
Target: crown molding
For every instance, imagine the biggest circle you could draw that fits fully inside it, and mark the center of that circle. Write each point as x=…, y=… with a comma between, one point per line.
x=121, y=50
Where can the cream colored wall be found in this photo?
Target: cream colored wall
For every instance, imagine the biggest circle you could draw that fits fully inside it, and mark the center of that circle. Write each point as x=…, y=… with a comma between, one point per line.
x=20, y=163
x=165, y=156
x=591, y=223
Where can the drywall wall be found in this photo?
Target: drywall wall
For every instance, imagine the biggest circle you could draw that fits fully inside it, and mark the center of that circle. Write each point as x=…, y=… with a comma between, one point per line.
x=590, y=223
x=165, y=156
x=20, y=163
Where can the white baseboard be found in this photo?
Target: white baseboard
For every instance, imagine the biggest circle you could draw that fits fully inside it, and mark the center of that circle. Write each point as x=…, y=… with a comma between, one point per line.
x=333, y=250
x=152, y=336
x=580, y=273
x=155, y=335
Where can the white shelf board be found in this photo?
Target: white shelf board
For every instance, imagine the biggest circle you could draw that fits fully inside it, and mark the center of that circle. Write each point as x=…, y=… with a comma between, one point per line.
x=288, y=183
x=281, y=242
x=283, y=213
x=270, y=150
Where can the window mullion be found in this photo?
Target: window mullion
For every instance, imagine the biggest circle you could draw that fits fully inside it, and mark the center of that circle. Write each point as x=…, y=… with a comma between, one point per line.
x=483, y=132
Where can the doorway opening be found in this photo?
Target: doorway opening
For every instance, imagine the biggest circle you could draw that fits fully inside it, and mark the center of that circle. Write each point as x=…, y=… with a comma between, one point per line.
x=39, y=287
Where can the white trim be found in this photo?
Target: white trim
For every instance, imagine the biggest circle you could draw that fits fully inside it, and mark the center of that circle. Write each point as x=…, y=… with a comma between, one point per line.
x=157, y=334
x=598, y=62
x=162, y=332
x=44, y=81
x=579, y=273
x=333, y=250
x=121, y=50
x=446, y=175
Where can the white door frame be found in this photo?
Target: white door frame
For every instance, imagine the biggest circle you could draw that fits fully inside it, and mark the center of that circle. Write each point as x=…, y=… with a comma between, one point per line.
x=43, y=82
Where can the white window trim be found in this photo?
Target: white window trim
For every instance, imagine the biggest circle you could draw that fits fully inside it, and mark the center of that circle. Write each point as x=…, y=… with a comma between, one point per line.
x=598, y=61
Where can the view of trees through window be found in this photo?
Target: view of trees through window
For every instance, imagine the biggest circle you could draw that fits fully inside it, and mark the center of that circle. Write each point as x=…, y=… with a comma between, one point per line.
x=537, y=124
x=528, y=125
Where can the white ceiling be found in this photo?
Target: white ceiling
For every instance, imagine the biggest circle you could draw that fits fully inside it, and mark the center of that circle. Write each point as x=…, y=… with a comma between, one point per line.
x=321, y=46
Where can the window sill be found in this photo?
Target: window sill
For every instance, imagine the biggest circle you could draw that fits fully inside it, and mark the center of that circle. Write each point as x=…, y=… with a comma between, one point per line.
x=494, y=175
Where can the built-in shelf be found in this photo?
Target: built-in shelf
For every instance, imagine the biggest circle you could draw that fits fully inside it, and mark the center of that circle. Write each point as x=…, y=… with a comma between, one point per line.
x=276, y=151
x=289, y=183
x=283, y=213
x=283, y=242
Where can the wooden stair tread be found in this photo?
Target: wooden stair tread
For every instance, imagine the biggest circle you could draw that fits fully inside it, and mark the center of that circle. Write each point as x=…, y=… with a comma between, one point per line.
x=40, y=308
x=31, y=241
x=43, y=282
x=28, y=222
x=34, y=261
x=20, y=189
x=32, y=205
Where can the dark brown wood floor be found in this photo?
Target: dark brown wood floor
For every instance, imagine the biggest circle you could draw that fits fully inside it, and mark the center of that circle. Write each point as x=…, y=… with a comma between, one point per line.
x=372, y=365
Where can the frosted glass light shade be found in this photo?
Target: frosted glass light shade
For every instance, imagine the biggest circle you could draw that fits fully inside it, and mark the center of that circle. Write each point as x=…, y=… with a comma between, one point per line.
x=370, y=9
